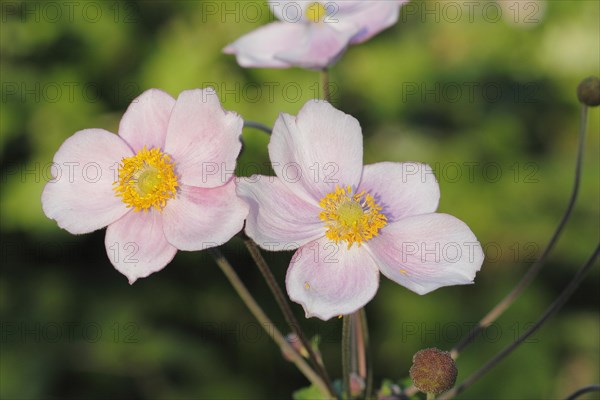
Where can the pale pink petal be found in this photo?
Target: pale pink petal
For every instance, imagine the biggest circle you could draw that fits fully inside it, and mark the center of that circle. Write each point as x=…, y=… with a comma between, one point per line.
x=258, y=48
x=372, y=16
x=426, y=252
x=402, y=189
x=203, y=139
x=321, y=46
x=136, y=244
x=80, y=197
x=329, y=280
x=278, y=219
x=317, y=150
x=200, y=218
x=145, y=121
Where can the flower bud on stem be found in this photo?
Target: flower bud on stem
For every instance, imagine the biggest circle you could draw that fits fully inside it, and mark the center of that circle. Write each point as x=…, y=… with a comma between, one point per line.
x=588, y=91
x=433, y=371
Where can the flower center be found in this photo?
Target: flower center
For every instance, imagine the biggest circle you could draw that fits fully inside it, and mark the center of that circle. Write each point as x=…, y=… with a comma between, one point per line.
x=316, y=12
x=146, y=180
x=351, y=217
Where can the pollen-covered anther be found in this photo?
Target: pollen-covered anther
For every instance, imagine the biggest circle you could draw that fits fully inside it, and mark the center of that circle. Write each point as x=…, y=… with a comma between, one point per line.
x=316, y=12
x=354, y=218
x=147, y=180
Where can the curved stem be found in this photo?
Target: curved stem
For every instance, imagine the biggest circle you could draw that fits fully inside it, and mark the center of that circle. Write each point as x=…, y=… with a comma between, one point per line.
x=286, y=310
x=554, y=307
x=265, y=322
x=583, y=390
x=346, y=356
x=535, y=268
x=258, y=125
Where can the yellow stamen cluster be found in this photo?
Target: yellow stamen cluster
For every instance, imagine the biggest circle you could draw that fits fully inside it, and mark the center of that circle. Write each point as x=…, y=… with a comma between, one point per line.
x=146, y=180
x=316, y=12
x=354, y=218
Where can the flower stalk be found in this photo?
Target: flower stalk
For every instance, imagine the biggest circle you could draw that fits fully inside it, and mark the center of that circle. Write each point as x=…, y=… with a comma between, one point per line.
x=287, y=311
x=537, y=266
x=258, y=125
x=266, y=323
x=346, y=356
x=366, y=371
x=551, y=310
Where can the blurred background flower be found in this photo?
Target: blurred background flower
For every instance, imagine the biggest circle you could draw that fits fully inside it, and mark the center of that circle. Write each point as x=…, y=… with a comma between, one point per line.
x=489, y=105
x=313, y=34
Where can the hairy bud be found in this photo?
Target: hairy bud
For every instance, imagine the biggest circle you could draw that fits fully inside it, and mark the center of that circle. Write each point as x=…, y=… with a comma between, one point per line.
x=433, y=371
x=588, y=91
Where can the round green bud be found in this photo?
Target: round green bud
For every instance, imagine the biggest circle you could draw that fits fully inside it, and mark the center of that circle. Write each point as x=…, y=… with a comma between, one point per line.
x=588, y=91
x=433, y=371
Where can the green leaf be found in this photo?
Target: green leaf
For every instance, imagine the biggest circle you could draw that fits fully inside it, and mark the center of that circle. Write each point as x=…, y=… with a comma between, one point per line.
x=386, y=388
x=309, y=393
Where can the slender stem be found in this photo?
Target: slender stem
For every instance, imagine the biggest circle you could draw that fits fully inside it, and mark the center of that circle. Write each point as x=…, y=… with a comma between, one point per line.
x=346, y=357
x=430, y=396
x=286, y=310
x=265, y=322
x=367, y=353
x=539, y=263
x=535, y=268
x=583, y=390
x=554, y=307
x=257, y=125
x=360, y=366
x=325, y=84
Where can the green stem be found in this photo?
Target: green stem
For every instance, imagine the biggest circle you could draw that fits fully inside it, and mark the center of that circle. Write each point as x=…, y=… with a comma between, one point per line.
x=364, y=327
x=551, y=310
x=583, y=390
x=258, y=125
x=265, y=322
x=346, y=357
x=286, y=310
x=536, y=267
x=430, y=396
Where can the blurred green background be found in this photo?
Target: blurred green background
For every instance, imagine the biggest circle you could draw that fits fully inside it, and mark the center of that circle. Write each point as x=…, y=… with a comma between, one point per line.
x=485, y=93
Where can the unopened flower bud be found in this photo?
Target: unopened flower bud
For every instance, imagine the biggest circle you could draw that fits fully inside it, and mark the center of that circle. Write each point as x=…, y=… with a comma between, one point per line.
x=433, y=371
x=588, y=91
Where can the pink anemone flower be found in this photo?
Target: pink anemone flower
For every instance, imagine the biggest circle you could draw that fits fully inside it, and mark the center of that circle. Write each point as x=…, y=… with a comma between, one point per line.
x=350, y=222
x=164, y=183
x=313, y=34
